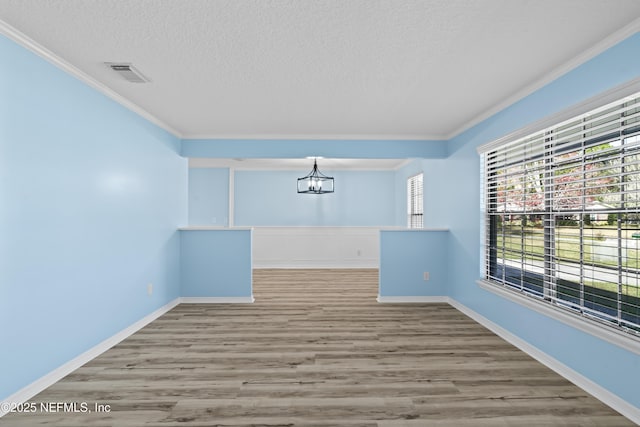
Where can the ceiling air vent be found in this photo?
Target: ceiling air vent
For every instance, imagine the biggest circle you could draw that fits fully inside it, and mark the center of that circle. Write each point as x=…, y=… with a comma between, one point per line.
x=128, y=72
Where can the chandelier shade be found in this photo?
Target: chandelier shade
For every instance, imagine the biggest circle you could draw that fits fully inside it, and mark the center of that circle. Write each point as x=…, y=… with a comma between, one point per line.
x=315, y=182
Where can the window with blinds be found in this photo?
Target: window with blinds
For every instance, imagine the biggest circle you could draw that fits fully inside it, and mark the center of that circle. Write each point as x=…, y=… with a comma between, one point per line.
x=415, y=202
x=562, y=214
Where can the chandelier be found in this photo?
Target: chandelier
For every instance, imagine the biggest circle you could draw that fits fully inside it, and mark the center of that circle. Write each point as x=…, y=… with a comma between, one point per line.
x=315, y=182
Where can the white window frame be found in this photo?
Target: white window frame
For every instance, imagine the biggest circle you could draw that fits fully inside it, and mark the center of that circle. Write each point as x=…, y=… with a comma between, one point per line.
x=415, y=201
x=546, y=302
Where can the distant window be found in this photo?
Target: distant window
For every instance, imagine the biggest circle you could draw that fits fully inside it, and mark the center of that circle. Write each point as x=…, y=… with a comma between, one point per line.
x=562, y=215
x=415, y=202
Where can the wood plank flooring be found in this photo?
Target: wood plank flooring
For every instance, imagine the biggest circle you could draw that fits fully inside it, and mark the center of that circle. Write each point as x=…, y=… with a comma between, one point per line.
x=316, y=349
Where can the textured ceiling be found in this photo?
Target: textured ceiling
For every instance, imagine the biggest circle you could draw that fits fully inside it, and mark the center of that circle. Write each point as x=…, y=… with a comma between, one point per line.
x=421, y=69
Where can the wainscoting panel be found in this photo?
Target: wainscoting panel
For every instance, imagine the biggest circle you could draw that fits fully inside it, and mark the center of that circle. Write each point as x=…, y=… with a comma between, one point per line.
x=316, y=247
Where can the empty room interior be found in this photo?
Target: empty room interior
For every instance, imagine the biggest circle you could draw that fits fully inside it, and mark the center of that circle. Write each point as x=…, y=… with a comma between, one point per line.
x=320, y=213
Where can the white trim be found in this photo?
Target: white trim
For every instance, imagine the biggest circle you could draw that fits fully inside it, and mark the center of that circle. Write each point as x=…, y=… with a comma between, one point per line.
x=68, y=68
x=412, y=299
x=615, y=402
x=595, y=50
x=584, y=324
x=578, y=60
x=217, y=300
x=614, y=94
x=296, y=164
x=319, y=137
x=62, y=371
x=622, y=406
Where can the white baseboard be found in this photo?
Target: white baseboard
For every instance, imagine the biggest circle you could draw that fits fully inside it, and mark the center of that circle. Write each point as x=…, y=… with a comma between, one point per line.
x=625, y=408
x=622, y=406
x=57, y=374
x=412, y=299
x=584, y=324
x=217, y=300
x=302, y=264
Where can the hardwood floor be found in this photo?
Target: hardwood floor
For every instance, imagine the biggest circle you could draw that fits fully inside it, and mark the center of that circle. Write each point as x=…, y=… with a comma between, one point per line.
x=316, y=349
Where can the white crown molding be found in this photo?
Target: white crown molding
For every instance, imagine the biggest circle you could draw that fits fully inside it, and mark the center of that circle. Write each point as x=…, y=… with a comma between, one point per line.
x=580, y=59
x=318, y=137
x=614, y=94
x=62, y=371
x=26, y=42
x=617, y=403
x=576, y=61
x=298, y=164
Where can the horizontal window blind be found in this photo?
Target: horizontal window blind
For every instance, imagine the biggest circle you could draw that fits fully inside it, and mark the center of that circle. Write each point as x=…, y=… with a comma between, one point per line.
x=415, y=202
x=562, y=214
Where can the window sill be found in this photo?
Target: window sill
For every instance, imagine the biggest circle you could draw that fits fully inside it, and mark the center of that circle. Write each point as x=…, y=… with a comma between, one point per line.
x=584, y=324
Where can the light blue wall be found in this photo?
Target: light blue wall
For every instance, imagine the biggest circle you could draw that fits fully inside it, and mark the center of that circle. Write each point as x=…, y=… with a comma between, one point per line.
x=405, y=255
x=209, y=196
x=216, y=263
x=270, y=198
x=91, y=194
x=90, y=198
x=608, y=365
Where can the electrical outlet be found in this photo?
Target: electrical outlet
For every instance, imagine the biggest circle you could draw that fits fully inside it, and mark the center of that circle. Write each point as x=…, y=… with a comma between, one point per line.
x=426, y=276
x=150, y=289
